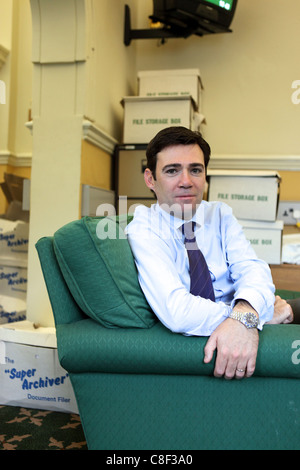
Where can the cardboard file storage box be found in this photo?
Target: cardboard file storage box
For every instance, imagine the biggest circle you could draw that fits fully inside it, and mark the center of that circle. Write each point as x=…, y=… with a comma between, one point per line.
x=14, y=243
x=171, y=83
x=12, y=309
x=265, y=238
x=253, y=195
x=16, y=192
x=13, y=281
x=30, y=373
x=144, y=116
x=13, y=270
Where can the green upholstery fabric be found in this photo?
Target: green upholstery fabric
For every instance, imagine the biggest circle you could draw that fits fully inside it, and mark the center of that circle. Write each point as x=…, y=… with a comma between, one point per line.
x=65, y=310
x=148, y=388
x=287, y=294
x=186, y=412
x=98, y=267
x=87, y=348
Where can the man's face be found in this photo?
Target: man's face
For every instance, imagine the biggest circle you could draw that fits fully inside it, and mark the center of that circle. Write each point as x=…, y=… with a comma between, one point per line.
x=180, y=179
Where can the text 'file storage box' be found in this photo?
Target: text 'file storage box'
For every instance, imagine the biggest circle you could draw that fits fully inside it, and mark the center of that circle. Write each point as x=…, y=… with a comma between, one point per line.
x=252, y=195
x=265, y=238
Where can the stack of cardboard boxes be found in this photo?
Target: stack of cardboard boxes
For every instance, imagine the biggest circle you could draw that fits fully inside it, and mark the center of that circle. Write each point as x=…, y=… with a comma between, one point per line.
x=30, y=373
x=13, y=253
x=174, y=97
x=254, y=197
x=166, y=98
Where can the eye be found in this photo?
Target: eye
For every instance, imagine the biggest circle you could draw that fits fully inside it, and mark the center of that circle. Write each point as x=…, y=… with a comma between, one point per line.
x=197, y=171
x=171, y=171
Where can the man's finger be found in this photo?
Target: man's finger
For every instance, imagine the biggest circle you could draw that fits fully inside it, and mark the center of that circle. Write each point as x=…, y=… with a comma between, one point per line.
x=209, y=349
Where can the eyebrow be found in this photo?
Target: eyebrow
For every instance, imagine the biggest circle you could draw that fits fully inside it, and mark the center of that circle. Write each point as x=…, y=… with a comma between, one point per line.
x=178, y=165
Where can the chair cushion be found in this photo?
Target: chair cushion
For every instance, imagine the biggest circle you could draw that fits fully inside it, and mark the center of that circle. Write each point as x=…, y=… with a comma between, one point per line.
x=98, y=266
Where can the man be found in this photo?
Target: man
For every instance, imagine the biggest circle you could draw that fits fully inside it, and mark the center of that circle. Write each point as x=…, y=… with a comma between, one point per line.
x=243, y=291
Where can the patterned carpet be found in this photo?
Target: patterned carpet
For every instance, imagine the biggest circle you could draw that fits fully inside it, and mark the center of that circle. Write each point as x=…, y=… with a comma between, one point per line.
x=27, y=429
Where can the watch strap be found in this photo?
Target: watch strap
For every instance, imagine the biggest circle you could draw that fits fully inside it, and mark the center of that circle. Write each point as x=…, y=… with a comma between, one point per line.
x=249, y=319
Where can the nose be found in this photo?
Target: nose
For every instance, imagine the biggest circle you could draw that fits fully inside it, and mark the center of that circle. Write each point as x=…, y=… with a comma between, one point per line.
x=185, y=179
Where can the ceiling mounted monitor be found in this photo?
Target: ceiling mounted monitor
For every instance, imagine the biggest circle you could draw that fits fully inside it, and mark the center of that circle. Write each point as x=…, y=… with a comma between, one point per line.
x=196, y=16
x=182, y=18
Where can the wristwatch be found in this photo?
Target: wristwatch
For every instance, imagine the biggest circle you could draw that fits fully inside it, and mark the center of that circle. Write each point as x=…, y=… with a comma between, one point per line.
x=249, y=319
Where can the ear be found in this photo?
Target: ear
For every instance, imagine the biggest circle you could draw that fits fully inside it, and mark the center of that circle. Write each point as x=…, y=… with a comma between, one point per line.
x=149, y=179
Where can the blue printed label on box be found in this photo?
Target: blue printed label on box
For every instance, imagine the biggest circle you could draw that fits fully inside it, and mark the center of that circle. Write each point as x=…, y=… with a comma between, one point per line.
x=32, y=377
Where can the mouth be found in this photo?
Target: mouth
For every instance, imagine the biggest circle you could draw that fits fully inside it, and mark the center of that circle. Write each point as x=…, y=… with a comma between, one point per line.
x=185, y=196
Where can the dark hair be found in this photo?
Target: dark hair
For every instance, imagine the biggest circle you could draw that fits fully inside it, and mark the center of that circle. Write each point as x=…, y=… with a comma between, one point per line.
x=176, y=135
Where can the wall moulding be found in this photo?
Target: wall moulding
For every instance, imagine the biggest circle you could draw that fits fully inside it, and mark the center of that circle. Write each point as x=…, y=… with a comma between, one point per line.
x=101, y=139
x=96, y=136
x=255, y=162
x=92, y=134
x=16, y=160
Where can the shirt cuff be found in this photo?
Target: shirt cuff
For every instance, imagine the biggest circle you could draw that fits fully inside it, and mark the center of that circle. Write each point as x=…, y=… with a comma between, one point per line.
x=264, y=307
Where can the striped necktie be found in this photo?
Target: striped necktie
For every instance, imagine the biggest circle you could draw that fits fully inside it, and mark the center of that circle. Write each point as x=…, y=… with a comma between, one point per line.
x=201, y=283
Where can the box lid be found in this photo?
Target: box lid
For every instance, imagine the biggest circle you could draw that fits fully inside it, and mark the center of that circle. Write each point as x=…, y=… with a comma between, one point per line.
x=25, y=332
x=277, y=225
x=173, y=72
x=153, y=73
x=262, y=173
x=149, y=99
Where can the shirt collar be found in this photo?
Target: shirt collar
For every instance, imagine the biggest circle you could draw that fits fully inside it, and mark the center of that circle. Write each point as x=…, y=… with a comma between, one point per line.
x=177, y=223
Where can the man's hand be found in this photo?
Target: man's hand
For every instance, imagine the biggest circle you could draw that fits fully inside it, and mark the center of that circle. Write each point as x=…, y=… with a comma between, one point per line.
x=283, y=312
x=236, y=346
x=236, y=349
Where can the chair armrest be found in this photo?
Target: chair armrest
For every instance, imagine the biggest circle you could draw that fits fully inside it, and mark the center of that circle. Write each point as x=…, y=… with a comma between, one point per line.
x=85, y=346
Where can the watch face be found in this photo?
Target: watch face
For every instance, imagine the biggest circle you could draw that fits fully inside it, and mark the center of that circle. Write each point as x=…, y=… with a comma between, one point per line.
x=251, y=319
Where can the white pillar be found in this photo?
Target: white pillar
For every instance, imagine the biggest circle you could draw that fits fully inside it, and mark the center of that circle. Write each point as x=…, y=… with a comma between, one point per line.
x=57, y=111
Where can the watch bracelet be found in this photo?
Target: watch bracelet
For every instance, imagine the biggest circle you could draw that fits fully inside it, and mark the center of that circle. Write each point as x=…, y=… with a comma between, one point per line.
x=238, y=315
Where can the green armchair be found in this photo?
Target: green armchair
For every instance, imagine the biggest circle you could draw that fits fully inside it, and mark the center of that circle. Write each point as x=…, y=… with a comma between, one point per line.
x=138, y=385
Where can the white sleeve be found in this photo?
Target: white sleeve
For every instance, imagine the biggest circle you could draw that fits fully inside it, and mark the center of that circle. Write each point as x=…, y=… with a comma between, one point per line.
x=251, y=276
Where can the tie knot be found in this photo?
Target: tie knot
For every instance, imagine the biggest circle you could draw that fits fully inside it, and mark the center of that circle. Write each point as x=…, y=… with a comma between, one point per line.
x=188, y=230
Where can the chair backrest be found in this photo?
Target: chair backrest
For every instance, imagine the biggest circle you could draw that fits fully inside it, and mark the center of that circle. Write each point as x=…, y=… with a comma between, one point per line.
x=90, y=272
x=64, y=307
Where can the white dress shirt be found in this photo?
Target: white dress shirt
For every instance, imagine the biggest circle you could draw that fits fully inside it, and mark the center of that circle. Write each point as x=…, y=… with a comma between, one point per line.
x=157, y=244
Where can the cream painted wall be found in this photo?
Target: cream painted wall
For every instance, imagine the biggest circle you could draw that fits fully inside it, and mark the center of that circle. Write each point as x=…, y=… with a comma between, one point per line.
x=57, y=111
x=19, y=139
x=15, y=140
x=6, y=9
x=111, y=66
x=80, y=73
x=247, y=76
x=16, y=36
